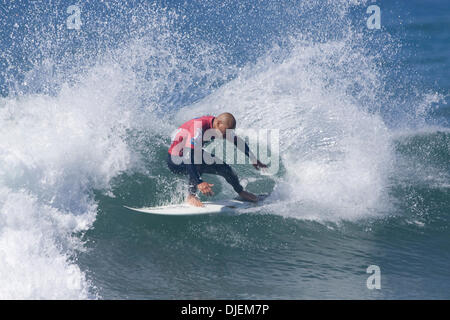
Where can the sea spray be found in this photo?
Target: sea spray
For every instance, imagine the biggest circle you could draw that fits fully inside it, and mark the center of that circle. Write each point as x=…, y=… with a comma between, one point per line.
x=336, y=152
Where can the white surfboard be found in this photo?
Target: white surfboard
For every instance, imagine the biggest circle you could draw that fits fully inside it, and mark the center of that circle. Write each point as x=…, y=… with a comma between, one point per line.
x=210, y=207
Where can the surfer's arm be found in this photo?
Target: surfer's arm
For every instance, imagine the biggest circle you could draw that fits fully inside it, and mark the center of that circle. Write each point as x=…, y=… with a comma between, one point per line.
x=243, y=147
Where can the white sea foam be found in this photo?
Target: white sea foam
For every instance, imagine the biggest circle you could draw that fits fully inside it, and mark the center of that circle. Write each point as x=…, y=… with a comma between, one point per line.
x=54, y=150
x=65, y=132
x=336, y=152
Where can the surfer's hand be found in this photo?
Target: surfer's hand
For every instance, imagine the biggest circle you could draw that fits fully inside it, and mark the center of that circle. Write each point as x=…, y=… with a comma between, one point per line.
x=205, y=188
x=259, y=165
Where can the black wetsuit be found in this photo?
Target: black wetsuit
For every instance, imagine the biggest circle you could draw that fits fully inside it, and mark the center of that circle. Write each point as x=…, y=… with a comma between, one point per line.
x=194, y=171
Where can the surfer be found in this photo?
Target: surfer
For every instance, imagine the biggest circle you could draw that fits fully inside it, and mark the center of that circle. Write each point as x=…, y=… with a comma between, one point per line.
x=182, y=157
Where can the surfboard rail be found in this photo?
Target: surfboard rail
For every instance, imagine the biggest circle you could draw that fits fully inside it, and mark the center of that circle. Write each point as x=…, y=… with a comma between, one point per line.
x=210, y=207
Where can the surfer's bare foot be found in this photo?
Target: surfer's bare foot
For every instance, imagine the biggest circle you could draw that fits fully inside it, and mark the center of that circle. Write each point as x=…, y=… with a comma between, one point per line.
x=194, y=201
x=248, y=196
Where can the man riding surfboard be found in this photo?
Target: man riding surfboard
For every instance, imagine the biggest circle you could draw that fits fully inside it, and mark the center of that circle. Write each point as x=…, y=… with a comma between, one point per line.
x=183, y=159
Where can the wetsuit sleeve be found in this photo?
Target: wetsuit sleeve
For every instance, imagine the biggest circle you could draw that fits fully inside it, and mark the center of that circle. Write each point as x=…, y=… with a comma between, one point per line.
x=194, y=175
x=238, y=142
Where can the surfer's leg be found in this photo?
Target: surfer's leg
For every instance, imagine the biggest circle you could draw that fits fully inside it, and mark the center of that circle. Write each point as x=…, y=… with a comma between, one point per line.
x=225, y=171
x=182, y=170
x=175, y=168
x=221, y=169
x=230, y=176
x=192, y=188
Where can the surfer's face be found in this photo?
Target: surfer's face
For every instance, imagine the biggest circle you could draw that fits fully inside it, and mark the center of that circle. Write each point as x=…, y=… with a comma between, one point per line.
x=222, y=127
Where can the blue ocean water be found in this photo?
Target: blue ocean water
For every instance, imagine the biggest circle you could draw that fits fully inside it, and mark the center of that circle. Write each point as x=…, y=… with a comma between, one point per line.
x=91, y=91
